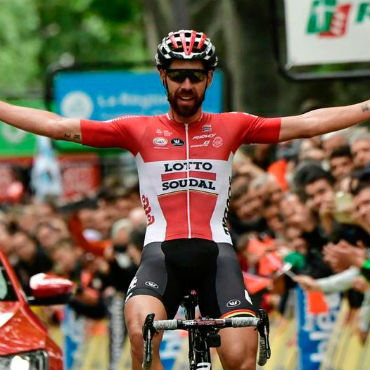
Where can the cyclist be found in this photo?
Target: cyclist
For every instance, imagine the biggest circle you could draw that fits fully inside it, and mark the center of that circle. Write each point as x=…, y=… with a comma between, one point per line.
x=184, y=164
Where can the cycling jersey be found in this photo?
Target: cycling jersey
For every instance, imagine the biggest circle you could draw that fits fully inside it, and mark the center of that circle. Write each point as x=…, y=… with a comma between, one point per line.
x=184, y=169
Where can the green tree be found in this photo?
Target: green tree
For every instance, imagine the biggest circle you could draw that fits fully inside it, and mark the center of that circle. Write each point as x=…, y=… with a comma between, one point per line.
x=20, y=45
x=37, y=33
x=86, y=31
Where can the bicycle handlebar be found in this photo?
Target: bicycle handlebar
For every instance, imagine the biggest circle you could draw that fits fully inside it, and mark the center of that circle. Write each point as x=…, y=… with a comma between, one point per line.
x=261, y=323
x=215, y=323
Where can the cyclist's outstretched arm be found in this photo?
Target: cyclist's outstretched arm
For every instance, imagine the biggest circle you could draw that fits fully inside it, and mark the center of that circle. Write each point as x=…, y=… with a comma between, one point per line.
x=321, y=121
x=41, y=122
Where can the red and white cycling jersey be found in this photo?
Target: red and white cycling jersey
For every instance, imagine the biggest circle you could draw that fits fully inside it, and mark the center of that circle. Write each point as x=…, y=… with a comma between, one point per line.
x=184, y=169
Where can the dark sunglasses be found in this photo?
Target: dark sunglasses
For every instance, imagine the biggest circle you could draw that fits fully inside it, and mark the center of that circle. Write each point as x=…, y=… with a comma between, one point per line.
x=180, y=75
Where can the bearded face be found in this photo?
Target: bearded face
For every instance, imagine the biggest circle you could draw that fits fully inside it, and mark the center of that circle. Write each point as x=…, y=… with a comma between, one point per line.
x=186, y=102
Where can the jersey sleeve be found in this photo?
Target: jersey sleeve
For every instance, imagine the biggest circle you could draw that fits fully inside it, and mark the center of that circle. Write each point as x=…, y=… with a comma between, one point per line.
x=122, y=132
x=256, y=130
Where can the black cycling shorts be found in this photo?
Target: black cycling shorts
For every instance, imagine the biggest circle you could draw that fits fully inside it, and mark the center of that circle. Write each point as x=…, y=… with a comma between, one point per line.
x=170, y=269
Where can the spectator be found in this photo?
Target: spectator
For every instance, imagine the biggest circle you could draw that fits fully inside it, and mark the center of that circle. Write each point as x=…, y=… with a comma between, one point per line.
x=83, y=269
x=332, y=140
x=31, y=258
x=341, y=164
x=360, y=148
x=5, y=240
x=51, y=231
x=136, y=243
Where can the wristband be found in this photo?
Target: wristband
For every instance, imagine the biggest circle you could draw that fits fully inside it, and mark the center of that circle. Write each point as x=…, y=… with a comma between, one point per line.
x=366, y=265
x=365, y=270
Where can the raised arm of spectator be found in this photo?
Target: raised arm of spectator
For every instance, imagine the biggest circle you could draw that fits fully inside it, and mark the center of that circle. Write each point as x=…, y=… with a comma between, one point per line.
x=96, y=247
x=41, y=122
x=334, y=283
x=321, y=121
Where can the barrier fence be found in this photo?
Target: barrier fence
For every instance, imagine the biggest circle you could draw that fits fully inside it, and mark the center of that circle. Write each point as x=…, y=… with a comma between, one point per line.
x=342, y=349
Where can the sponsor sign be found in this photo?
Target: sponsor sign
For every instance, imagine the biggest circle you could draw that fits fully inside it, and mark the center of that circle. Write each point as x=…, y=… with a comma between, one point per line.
x=74, y=330
x=80, y=174
x=327, y=31
x=170, y=347
x=317, y=316
x=104, y=95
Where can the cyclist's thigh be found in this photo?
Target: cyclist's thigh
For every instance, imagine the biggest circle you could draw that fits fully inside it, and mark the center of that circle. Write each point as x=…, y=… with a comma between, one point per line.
x=139, y=306
x=154, y=279
x=223, y=294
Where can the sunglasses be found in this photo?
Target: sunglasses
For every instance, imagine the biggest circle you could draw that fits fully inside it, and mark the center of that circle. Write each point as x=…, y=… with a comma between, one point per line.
x=180, y=75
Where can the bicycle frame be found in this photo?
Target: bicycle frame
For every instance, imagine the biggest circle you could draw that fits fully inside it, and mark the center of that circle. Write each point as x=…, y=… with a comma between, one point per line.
x=199, y=348
x=203, y=334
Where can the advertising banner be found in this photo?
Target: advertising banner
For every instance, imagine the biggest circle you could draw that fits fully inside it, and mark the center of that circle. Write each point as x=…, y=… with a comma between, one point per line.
x=327, y=31
x=80, y=174
x=103, y=95
x=317, y=315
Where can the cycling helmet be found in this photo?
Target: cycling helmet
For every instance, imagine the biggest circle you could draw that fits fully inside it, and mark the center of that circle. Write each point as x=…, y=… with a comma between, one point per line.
x=188, y=45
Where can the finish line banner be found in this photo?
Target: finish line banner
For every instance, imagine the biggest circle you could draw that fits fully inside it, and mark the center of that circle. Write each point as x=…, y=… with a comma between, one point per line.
x=327, y=31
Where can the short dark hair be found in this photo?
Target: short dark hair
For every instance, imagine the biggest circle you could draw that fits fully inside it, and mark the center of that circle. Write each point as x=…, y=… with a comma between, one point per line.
x=341, y=151
x=310, y=173
x=360, y=181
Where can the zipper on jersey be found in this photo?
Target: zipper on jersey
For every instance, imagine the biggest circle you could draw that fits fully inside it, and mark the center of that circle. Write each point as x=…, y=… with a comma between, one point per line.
x=187, y=177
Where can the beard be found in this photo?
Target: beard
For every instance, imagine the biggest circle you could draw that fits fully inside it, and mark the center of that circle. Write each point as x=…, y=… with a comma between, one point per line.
x=185, y=110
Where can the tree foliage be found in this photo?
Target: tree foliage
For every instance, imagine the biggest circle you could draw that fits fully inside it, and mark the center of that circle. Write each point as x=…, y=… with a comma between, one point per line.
x=20, y=45
x=243, y=33
x=37, y=33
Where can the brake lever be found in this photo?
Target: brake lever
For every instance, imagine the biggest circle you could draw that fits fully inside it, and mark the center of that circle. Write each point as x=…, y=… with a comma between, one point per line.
x=263, y=328
x=148, y=333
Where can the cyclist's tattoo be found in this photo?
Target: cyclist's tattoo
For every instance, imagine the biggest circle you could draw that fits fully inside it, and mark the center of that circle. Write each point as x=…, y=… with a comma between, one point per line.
x=365, y=107
x=69, y=136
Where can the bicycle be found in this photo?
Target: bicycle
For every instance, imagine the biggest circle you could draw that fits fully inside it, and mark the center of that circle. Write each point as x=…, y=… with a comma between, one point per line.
x=203, y=334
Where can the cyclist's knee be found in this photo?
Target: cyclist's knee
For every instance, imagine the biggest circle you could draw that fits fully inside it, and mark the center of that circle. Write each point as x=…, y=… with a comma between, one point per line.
x=136, y=342
x=240, y=363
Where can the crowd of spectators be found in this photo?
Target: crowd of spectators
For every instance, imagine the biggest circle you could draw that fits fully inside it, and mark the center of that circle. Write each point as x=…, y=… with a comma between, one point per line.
x=299, y=213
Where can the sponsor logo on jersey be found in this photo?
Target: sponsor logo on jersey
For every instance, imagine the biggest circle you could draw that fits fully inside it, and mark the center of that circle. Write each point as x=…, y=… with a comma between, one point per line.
x=204, y=144
x=183, y=183
x=247, y=297
x=233, y=303
x=147, y=209
x=184, y=175
x=183, y=166
x=177, y=142
x=160, y=141
x=158, y=131
x=132, y=284
x=226, y=211
x=151, y=284
x=207, y=127
x=167, y=133
x=217, y=142
x=204, y=136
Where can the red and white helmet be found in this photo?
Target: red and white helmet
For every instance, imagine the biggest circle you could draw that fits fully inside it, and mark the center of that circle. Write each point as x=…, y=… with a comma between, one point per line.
x=187, y=45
